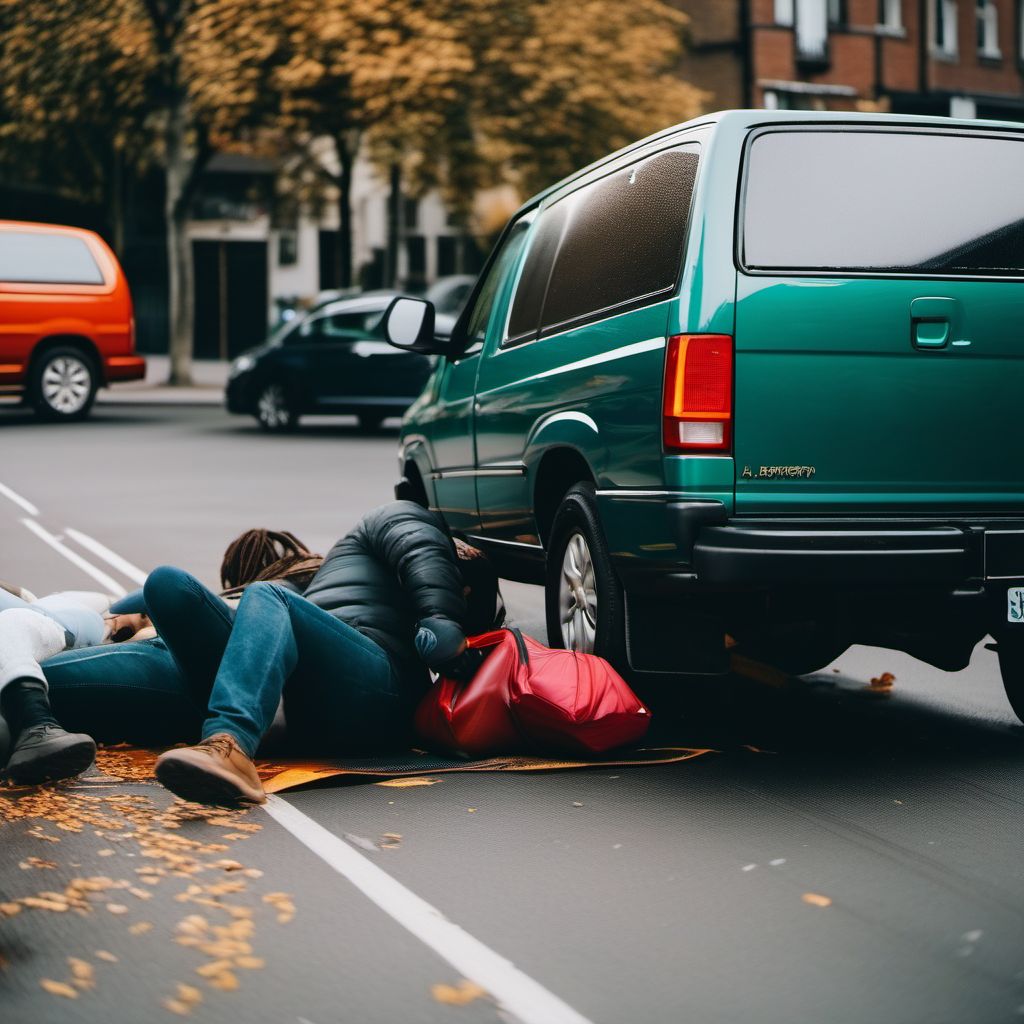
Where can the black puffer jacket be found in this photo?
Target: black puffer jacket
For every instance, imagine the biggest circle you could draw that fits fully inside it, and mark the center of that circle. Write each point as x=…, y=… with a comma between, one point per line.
x=396, y=567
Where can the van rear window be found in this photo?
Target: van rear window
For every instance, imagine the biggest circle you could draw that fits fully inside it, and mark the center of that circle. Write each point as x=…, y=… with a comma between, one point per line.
x=29, y=257
x=898, y=202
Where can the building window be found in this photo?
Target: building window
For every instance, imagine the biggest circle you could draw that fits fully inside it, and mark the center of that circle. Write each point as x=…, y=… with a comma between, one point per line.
x=410, y=213
x=945, y=34
x=287, y=249
x=890, y=15
x=987, y=21
x=784, y=12
x=812, y=30
x=837, y=12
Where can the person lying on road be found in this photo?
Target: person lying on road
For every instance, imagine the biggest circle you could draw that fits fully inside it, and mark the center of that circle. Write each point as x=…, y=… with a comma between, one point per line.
x=31, y=630
x=350, y=656
x=88, y=683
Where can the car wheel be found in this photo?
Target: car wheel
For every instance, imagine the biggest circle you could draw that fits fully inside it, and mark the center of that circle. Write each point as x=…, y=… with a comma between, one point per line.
x=63, y=384
x=583, y=595
x=274, y=409
x=370, y=421
x=1011, y=668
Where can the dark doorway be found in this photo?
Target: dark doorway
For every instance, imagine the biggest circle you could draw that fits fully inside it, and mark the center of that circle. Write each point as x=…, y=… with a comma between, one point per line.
x=231, y=297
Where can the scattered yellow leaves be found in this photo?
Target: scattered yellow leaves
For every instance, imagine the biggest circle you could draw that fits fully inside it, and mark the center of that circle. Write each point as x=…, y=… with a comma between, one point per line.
x=283, y=904
x=390, y=841
x=883, y=682
x=36, y=862
x=58, y=988
x=408, y=783
x=82, y=972
x=458, y=995
x=141, y=927
x=816, y=899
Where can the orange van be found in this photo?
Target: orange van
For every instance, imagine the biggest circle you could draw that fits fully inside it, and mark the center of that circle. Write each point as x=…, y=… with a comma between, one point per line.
x=66, y=320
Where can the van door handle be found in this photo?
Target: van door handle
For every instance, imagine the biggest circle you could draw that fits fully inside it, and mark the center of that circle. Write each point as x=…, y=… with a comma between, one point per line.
x=932, y=321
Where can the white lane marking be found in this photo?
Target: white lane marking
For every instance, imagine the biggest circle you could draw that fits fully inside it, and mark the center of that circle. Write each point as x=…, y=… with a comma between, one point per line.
x=122, y=565
x=19, y=500
x=518, y=994
x=108, y=583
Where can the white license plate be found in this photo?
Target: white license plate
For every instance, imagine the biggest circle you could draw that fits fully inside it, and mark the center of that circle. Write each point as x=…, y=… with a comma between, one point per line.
x=1015, y=604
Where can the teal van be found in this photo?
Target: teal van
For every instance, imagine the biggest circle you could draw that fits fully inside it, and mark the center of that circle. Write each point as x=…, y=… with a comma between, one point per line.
x=754, y=377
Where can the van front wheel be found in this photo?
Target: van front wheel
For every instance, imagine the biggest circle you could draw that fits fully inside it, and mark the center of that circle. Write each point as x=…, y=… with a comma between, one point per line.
x=1011, y=668
x=582, y=593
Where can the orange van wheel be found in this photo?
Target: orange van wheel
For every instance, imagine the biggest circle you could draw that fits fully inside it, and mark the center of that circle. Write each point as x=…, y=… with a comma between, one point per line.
x=63, y=384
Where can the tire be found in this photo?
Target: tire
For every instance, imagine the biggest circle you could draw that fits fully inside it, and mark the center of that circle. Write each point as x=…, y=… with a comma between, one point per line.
x=1011, y=668
x=63, y=384
x=579, y=566
x=274, y=409
x=370, y=422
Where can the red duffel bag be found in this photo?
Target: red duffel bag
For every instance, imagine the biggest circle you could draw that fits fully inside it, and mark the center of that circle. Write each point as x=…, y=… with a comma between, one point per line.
x=526, y=697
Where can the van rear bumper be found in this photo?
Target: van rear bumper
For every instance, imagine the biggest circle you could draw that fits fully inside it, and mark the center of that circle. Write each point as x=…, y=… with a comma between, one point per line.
x=901, y=552
x=763, y=554
x=124, y=368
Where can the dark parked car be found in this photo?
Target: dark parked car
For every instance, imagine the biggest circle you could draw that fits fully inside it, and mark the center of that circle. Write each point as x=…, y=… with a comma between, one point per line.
x=332, y=360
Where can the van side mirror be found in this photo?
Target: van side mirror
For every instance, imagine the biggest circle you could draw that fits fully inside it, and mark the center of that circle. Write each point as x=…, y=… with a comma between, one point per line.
x=409, y=325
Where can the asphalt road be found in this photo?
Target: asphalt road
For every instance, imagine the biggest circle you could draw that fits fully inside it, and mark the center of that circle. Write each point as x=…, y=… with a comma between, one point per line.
x=842, y=856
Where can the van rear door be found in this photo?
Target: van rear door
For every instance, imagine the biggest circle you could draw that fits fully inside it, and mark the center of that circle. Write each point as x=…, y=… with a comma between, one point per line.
x=880, y=302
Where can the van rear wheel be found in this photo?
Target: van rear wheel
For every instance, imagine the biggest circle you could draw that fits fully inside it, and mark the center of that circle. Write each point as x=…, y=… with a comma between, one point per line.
x=1011, y=668
x=63, y=384
x=582, y=593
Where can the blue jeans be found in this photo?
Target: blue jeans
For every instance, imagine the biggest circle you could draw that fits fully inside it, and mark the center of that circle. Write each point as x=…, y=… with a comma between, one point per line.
x=132, y=692
x=341, y=691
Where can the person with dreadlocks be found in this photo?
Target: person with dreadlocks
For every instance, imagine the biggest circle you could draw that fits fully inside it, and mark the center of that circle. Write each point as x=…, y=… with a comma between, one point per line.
x=350, y=656
x=133, y=691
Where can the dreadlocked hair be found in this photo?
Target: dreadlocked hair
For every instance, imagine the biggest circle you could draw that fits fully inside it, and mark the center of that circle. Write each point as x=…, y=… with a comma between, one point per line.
x=267, y=555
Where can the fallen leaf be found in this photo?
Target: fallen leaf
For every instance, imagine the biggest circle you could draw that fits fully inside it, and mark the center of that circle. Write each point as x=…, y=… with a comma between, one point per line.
x=117, y=908
x=141, y=927
x=36, y=862
x=883, y=682
x=576, y=803
x=816, y=899
x=10, y=909
x=471, y=810
x=458, y=995
x=250, y=963
x=177, y=1006
x=58, y=988
x=82, y=970
x=225, y=981
x=102, y=954
x=408, y=783
x=189, y=994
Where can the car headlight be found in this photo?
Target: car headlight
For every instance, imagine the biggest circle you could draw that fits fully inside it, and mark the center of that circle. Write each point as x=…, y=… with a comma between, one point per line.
x=243, y=364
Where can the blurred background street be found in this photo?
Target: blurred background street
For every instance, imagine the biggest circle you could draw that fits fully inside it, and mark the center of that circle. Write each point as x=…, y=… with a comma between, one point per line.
x=845, y=854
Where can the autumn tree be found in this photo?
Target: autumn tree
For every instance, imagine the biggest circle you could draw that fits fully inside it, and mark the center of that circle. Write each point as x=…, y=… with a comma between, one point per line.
x=114, y=84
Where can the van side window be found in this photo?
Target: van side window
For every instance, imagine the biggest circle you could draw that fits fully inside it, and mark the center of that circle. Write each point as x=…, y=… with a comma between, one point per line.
x=623, y=241
x=898, y=202
x=506, y=258
x=29, y=257
x=533, y=281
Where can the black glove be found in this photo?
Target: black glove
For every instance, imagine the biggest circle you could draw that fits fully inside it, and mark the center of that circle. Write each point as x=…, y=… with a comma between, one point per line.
x=442, y=645
x=464, y=667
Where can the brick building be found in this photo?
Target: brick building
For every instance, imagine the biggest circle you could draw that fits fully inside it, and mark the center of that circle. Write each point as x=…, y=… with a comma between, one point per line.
x=959, y=57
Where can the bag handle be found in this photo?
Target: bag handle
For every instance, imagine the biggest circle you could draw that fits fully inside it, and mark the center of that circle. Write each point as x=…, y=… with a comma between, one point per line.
x=494, y=638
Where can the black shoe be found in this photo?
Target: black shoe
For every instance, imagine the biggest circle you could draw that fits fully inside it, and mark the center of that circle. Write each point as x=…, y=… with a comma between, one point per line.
x=46, y=753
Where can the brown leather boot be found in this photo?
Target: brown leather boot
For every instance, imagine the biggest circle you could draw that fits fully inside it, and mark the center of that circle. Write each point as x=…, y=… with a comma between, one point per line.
x=216, y=771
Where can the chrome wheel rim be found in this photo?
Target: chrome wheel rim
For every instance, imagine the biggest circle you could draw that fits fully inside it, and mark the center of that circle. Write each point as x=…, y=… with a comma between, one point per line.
x=577, y=596
x=273, y=408
x=66, y=382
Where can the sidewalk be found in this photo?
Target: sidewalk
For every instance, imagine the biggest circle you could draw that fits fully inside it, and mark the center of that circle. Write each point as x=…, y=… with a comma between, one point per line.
x=209, y=376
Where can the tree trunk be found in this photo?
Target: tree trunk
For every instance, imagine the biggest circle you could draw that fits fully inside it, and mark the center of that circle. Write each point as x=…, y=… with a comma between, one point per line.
x=394, y=225
x=343, y=240
x=179, y=169
x=115, y=202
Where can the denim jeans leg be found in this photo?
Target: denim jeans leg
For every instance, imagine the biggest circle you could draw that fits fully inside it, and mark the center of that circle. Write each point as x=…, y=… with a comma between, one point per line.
x=276, y=631
x=132, y=692
x=194, y=623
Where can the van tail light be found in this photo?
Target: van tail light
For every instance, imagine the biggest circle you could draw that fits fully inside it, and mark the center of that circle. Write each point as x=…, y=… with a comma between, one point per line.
x=697, y=407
